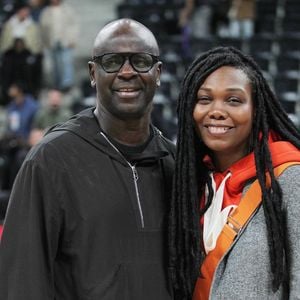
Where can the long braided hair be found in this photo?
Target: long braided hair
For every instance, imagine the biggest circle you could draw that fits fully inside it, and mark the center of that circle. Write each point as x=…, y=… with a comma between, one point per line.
x=191, y=174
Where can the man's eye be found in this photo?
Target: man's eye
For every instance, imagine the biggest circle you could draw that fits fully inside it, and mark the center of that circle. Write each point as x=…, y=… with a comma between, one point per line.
x=140, y=62
x=111, y=62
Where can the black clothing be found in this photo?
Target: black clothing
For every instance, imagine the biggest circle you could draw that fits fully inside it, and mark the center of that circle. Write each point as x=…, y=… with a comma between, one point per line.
x=20, y=66
x=83, y=223
x=126, y=150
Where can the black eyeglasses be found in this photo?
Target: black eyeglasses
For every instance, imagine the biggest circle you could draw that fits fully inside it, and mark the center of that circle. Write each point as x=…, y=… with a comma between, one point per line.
x=113, y=62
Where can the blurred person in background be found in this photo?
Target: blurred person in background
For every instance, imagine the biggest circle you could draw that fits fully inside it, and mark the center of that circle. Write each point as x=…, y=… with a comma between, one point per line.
x=20, y=111
x=21, y=25
x=195, y=16
x=241, y=16
x=59, y=25
x=20, y=64
x=14, y=144
x=21, y=51
x=52, y=112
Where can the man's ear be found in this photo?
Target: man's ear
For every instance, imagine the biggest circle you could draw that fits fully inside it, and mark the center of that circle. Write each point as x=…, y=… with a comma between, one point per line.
x=92, y=73
x=158, y=70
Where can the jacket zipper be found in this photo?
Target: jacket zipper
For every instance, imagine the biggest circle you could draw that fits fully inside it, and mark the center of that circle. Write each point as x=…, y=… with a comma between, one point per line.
x=135, y=179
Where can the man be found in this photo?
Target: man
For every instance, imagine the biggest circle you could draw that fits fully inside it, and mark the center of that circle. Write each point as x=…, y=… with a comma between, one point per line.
x=19, y=64
x=20, y=111
x=53, y=112
x=59, y=27
x=21, y=47
x=86, y=219
x=21, y=25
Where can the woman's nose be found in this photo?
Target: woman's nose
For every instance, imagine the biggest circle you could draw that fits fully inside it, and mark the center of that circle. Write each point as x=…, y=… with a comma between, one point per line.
x=217, y=112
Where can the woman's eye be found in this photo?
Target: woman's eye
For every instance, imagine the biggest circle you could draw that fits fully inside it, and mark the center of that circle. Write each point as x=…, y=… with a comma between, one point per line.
x=203, y=100
x=234, y=100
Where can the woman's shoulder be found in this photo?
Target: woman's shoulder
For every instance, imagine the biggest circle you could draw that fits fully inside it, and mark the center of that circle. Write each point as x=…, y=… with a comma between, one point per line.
x=289, y=182
x=291, y=172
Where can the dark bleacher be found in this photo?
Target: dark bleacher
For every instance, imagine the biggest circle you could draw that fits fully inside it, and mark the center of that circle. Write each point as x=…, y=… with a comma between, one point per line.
x=275, y=45
x=159, y=15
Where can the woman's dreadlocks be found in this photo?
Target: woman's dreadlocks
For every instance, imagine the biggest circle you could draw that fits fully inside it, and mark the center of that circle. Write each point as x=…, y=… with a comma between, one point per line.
x=191, y=174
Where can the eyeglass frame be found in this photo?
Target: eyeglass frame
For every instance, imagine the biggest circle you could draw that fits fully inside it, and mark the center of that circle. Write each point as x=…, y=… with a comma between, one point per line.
x=127, y=55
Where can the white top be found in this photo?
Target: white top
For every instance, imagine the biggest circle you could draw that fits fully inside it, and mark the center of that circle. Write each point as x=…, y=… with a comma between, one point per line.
x=215, y=218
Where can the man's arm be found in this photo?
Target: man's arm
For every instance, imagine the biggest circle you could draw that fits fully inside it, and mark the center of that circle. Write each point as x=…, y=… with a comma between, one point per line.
x=30, y=237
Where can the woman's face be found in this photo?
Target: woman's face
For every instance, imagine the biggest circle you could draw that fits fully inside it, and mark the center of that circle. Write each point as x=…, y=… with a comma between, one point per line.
x=223, y=114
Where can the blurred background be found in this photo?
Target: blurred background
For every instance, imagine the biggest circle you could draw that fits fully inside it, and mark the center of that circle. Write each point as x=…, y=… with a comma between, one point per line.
x=45, y=46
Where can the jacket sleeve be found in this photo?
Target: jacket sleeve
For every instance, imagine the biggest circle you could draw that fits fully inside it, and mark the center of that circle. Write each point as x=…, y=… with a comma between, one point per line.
x=30, y=237
x=290, y=184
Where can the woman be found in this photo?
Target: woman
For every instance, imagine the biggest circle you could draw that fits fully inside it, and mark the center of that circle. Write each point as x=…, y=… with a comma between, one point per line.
x=233, y=131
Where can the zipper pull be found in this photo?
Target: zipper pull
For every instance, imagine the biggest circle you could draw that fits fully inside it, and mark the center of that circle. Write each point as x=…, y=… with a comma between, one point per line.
x=135, y=173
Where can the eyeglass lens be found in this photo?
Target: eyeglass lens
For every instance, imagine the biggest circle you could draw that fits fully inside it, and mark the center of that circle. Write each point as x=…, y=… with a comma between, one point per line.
x=140, y=62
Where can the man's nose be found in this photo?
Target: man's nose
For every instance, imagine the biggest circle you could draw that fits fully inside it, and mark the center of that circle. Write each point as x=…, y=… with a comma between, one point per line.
x=127, y=70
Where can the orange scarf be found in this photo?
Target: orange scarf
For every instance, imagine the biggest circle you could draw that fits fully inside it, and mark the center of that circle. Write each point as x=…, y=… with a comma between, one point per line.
x=245, y=169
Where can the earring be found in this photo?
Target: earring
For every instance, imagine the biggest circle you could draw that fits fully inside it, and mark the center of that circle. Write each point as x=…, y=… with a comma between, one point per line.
x=157, y=82
x=93, y=83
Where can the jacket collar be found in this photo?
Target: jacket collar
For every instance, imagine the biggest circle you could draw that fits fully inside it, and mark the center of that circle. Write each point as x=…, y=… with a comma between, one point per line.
x=85, y=126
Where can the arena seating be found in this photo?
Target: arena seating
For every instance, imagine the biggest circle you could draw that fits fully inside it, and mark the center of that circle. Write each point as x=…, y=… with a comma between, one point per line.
x=275, y=45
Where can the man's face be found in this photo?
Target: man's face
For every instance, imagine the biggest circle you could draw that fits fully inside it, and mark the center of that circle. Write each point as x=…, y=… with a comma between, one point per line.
x=23, y=13
x=13, y=91
x=54, y=99
x=125, y=94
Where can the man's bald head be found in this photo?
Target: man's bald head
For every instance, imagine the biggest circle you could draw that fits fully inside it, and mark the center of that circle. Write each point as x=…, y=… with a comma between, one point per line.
x=126, y=29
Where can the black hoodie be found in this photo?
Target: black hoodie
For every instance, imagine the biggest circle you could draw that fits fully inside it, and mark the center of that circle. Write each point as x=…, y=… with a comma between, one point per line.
x=83, y=223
